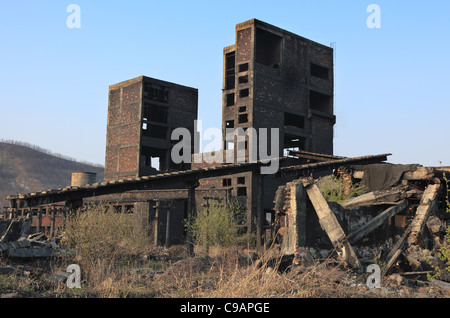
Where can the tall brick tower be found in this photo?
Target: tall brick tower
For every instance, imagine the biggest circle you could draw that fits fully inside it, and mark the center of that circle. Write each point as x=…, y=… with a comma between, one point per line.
x=273, y=78
x=142, y=112
x=276, y=79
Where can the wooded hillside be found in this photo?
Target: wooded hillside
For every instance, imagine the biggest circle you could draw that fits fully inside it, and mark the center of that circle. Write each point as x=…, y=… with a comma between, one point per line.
x=26, y=168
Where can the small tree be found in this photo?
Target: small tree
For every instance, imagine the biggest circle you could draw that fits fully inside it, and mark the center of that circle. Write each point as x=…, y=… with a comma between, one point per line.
x=103, y=241
x=218, y=224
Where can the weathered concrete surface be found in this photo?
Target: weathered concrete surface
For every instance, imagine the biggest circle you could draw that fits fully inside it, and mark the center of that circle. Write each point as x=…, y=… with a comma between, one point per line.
x=377, y=221
x=421, y=173
x=392, y=195
x=330, y=224
x=427, y=203
x=295, y=219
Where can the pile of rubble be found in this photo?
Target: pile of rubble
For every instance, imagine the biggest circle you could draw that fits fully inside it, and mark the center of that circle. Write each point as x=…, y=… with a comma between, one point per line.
x=17, y=241
x=400, y=222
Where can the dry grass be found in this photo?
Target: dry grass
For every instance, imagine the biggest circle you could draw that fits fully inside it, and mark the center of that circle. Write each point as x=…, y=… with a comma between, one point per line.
x=107, y=247
x=227, y=275
x=230, y=276
x=109, y=250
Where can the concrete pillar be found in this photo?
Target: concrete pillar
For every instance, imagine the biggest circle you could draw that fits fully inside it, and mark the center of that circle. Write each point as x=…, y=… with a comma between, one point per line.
x=260, y=215
x=191, y=214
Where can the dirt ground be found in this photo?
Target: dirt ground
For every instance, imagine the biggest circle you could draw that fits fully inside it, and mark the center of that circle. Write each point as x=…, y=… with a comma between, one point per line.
x=233, y=273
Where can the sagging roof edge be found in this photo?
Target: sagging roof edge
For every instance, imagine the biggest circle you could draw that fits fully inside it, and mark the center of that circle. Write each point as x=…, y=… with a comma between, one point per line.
x=201, y=173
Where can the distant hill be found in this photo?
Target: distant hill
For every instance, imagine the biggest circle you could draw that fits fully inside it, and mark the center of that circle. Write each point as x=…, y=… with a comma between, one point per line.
x=26, y=168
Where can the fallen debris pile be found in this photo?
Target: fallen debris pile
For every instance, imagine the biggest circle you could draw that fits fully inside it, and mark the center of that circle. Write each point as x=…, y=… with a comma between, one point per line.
x=17, y=241
x=400, y=224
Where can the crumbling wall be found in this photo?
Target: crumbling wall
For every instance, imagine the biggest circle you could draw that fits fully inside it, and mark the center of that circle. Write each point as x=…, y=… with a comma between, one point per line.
x=397, y=225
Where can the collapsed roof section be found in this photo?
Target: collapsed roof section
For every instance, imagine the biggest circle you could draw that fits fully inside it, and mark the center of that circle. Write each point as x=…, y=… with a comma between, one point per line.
x=398, y=223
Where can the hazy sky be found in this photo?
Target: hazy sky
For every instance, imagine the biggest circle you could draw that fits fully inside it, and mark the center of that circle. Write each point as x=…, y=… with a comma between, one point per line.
x=392, y=83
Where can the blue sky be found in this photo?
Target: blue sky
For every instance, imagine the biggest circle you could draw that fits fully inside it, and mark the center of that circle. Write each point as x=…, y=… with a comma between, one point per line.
x=391, y=83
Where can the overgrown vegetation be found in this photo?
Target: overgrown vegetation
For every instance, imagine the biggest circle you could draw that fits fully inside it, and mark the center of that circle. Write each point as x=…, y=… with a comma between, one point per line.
x=109, y=249
x=447, y=196
x=219, y=224
x=335, y=189
x=105, y=245
x=444, y=250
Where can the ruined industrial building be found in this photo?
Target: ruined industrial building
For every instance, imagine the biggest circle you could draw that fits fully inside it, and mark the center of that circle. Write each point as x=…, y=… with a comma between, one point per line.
x=272, y=78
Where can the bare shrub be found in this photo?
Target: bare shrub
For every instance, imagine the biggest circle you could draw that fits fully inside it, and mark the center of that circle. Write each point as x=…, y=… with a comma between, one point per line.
x=218, y=224
x=106, y=246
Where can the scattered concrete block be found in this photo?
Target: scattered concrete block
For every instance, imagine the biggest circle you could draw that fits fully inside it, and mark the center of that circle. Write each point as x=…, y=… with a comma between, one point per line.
x=7, y=270
x=426, y=204
x=58, y=277
x=439, y=283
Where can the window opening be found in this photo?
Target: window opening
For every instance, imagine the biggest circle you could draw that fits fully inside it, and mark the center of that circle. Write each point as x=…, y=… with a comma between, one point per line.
x=268, y=48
